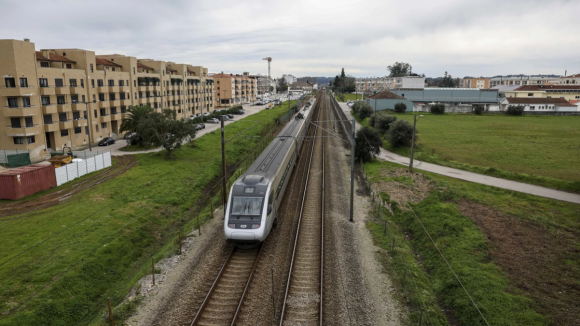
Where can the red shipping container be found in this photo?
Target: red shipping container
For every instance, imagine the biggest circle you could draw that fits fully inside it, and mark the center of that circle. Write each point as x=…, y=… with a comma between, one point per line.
x=26, y=181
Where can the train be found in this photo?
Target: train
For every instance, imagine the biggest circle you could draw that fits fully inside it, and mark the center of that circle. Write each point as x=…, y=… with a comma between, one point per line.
x=254, y=198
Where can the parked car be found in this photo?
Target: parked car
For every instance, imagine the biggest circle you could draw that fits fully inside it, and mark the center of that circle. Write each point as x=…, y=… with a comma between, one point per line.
x=206, y=114
x=213, y=120
x=278, y=102
x=231, y=116
x=226, y=118
x=200, y=126
x=240, y=112
x=259, y=103
x=350, y=104
x=107, y=141
x=130, y=135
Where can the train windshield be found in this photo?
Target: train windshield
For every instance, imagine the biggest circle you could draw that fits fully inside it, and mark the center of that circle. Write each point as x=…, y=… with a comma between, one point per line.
x=247, y=206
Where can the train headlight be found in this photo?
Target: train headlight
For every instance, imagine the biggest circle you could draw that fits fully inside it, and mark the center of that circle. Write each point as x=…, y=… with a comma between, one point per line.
x=255, y=226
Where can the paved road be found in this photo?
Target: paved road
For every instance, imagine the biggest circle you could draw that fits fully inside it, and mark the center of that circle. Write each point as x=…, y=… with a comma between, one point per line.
x=473, y=177
x=115, y=149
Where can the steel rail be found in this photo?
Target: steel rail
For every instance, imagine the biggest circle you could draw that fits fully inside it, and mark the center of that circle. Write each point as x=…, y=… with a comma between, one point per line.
x=246, y=288
x=298, y=230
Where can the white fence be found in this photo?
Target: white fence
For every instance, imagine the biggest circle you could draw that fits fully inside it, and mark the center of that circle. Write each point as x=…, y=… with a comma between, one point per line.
x=92, y=161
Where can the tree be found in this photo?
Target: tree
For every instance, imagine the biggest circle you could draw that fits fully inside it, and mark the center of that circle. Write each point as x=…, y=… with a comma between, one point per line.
x=437, y=108
x=515, y=110
x=161, y=129
x=342, y=75
x=382, y=121
x=400, y=69
x=349, y=84
x=368, y=144
x=271, y=89
x=282, y=85
x=134, y=115
x=478, y=109
x=400, y=107
x=336, y=82
x=447, y=81
x=365, y=111
x=400, y=134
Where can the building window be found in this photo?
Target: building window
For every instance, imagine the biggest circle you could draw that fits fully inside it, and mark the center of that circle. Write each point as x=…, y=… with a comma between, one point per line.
x=84, y=100
x=123, y=109
x=91, y=67
x=72, y=82
x=64, y=133
x=62, y=117
x=99, y=82
x=58, y=82
x=113, y=68
x=60, y=99
x=68, y=66
x=15, y=123
x=101, y=97
x=44, y=64
x=111, y=96
x=97, y=127
x=113, y=110
x=133, y=70
x=78, y=130
x=45, y=100
x=76, y=115
x=104, y=125
x=103, y=112
x=28, y=122
x=18, y=140
x=121, y=82
x=23, y=82
x=30, y=139
x=26, y=102
x=43, y=82
x=48, y=119
x=10, y=82
x=86, y=130
x=111, y=82
x=82, y=83
x=74, y=98
x=95, y=111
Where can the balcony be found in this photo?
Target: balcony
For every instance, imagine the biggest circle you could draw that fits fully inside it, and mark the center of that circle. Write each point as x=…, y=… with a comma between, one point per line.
x=47, y=91
x=50, y=127
x=16, y=91
x=105, y=118
x=76, y=90
x=125, y=102
x=114, y=102
x=49, y=109
x=20, y=111
x=65, y=124
x=81, y=122
x=102, y=89
x=77, y=106
x=103, y=104
x=62, y=90
x=123, y=88
x=116, y=116
x=65, y=107
x=22, y=131
x=142, y=101
x=113, y=89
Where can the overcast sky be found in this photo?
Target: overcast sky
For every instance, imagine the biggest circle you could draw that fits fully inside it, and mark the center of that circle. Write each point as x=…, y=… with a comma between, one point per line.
x=314, y=38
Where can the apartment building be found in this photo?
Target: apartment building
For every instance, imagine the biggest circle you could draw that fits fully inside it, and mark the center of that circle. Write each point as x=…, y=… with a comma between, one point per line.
x=68, y=97
x=290, y=79
x=380, y=84
x=523, y=80
x=264, y=84
x=567, y=92
x=474, y=83
x=570, y=80
x=231, y=90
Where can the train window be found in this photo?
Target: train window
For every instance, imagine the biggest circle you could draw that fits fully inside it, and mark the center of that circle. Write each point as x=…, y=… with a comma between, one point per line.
x=270, y=202
x=249, y=190
x=284, y=177
x=246, y=206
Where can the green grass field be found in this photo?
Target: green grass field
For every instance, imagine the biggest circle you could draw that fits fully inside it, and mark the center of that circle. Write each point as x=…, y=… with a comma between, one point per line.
x=116, y=226
x=540, y=274
x=349, y=96
x=542, y=150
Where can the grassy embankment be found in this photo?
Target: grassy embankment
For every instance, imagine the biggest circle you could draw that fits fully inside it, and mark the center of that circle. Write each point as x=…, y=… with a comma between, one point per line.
x=117, y=226
x=517, y=255
x=541, y=150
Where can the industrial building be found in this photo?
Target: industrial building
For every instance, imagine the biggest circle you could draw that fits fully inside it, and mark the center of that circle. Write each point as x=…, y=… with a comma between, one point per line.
x=387, y=100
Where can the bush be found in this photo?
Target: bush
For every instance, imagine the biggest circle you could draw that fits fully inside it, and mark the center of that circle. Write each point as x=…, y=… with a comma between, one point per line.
x=365, y=111
x=340, y=96
x=357, y=105
x=367, y=144
x=438, y=108
x=400, y=134
x=400, y=107
x=515, y=110
x=478, y=109
x=381, y=122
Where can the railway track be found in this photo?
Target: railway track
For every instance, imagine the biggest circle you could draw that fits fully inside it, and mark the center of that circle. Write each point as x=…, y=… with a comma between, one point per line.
x=223, y=302
x=303, y=298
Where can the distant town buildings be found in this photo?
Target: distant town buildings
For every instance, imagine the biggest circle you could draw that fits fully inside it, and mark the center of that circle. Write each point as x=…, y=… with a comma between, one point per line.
x=379, y=84
x=265, y=84
x=539, y=104
x=290, y=79
x=58, y=97
x=523, y=80
x=474, y=83
x=302, y=87
x=233, y=89
x=567, y=92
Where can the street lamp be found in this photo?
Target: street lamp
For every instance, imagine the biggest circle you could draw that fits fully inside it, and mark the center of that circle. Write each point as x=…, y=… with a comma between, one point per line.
x=413, y=143
x=90, y=123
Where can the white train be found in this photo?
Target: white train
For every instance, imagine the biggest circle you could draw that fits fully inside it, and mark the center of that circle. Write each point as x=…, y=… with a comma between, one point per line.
x=255, y=197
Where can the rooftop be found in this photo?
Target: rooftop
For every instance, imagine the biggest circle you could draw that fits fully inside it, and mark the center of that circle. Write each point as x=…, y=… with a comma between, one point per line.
x=538, y=100
x=52, y=57
x=142, y=66
x=546, y=87
x=106, y=62
x=385, y=95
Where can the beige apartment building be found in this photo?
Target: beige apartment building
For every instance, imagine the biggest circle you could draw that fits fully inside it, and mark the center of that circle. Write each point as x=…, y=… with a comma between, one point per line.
x=68, y=97
x=232, y=90
x=482, y=83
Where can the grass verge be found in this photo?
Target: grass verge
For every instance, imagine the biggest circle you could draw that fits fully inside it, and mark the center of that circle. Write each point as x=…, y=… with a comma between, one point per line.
x=497, y=268
x=100, y=243
x=349, y=96
x=136, y=148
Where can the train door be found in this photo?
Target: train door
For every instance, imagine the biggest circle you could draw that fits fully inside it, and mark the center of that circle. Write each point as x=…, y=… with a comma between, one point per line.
x=271, y=210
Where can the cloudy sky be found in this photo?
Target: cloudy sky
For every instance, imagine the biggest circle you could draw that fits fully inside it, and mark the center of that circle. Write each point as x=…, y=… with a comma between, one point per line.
x=314, y=38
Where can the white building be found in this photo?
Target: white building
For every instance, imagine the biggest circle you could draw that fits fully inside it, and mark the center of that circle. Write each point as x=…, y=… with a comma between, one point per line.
x=290, y=79
x=570, y=80
x=379, y=84
x=523, y=80
x=539, y=104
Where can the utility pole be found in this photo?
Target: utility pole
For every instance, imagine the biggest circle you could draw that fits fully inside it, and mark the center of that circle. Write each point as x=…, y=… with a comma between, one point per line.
x=352, y=171
x=413, y=145
x=225, y=192
x=90, y=124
